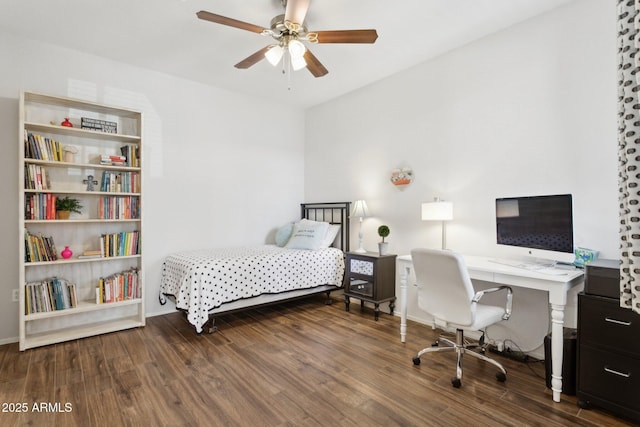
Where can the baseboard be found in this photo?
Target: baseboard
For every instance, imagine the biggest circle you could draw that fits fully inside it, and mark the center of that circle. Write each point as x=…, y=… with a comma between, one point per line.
x=9, y=340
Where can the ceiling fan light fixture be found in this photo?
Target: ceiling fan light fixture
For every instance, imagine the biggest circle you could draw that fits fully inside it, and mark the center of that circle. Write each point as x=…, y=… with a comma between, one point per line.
x=274, y=55
x=296, y=49
x=298, y=63
x=289, y=31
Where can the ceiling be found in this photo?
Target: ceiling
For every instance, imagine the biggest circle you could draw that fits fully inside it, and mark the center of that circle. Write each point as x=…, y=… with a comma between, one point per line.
x=166, y=36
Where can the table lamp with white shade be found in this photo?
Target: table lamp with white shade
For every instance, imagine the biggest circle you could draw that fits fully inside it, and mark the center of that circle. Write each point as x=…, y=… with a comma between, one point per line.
x=438, y=210
x=360, y=211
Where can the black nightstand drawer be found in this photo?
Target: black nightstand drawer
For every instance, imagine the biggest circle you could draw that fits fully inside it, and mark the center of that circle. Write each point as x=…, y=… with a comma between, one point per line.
x=609, y=325
x=603, y=373
x=361, y=287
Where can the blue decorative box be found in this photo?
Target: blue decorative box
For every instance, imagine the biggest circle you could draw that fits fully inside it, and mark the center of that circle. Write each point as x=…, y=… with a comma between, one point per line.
x=584, y=256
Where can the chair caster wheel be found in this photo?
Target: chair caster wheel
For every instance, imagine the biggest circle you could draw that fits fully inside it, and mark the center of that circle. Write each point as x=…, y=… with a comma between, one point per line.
x=436, y=343
x=456, y=382
x=500, y=376
x=416, y=361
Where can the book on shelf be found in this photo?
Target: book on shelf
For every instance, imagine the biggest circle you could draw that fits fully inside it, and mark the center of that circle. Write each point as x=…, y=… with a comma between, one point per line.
x=39, y=248
x=40, y=206
x=42, y=148
x=110, y=160
x=36, y=177
x=91, y=254
x=131, y=154
x=120, y=244
x=120, y=182
x=48, y=295
x=118, y=287
x=119, y=207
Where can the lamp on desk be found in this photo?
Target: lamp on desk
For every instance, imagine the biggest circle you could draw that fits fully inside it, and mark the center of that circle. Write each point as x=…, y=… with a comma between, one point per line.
x=438, y=210
x=360, y=211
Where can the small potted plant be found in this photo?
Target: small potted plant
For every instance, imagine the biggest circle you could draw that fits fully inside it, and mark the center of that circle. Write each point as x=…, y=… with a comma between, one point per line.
x=383, y=231
x=66, y=205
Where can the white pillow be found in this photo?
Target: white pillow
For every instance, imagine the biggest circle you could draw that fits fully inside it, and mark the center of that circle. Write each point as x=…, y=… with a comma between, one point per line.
x=283, y=234
x=306, y=235
x=332, y=232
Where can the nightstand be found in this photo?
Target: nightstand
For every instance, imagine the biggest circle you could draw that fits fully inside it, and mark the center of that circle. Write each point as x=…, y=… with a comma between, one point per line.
x=370, y=277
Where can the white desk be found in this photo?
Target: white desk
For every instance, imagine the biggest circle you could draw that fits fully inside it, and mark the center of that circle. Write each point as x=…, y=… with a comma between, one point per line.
x=482, y=268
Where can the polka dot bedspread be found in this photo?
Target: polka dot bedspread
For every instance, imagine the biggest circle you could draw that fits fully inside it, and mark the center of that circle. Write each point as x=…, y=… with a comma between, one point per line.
x=202, y=280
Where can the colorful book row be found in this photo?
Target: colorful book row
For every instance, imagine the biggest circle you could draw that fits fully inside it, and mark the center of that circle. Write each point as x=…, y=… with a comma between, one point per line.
x=40, y=206
x=120, y=182
x=39, y=248
x=106, y=159
x=42, y=148
x=132, y=155
x=50, y=295
x=119, y=207
x=36, y=178
x=120, y=244
x=118, y=287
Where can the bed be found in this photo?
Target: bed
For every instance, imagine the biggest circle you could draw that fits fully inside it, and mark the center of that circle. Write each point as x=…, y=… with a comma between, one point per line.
x=306, y=259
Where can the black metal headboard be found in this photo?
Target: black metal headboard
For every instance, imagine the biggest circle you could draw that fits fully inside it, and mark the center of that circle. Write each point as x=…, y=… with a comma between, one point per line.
x=333, y=213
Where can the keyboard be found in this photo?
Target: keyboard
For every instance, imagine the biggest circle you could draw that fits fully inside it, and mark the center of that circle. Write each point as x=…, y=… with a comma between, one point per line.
x=523, y=264
x=544, y=268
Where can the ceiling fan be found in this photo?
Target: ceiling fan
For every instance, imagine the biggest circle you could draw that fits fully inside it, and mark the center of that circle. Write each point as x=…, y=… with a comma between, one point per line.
x=290, y=31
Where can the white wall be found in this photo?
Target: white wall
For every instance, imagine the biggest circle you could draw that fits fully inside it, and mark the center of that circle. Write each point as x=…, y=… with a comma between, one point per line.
x=218, y=169
x=527, y=111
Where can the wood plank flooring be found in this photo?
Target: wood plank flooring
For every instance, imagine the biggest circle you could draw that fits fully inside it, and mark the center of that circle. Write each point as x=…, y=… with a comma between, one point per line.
x=295, y=364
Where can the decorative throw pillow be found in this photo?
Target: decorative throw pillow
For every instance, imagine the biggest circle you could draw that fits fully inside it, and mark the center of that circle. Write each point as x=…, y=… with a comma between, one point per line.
x=332, y=231
x=306, y=235
x=283, y=234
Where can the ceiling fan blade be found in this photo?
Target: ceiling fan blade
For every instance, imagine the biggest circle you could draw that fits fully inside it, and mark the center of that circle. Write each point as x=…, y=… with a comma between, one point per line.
x=219, y=19
x=313, y=65
x=347, y=36
x=296, y=11
x=253, y=59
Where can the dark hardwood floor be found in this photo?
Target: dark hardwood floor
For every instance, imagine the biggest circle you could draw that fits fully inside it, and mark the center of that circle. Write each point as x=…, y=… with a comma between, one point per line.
x=294, y=364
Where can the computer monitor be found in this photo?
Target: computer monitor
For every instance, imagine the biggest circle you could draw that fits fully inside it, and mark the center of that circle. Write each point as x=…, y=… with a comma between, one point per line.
x=537, y=226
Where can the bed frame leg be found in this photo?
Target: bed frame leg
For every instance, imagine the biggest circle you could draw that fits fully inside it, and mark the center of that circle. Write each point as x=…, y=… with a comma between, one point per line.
x=328, y=301
x=210, y=326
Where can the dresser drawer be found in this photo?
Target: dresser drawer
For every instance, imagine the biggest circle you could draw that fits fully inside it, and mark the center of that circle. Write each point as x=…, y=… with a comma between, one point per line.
x=361, y=266
x=602, y=277
x=613, y=376
x=361, y=287
x=604, y=324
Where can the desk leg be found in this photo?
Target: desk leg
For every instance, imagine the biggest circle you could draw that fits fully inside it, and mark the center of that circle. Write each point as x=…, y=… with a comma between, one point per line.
x=404, y=278
x=557, y=325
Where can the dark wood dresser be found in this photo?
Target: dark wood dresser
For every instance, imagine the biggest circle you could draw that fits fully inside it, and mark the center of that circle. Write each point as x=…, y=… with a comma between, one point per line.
x=608, y=355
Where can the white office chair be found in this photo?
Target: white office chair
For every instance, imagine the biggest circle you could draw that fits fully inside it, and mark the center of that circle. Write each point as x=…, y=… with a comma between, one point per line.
x=445, y=291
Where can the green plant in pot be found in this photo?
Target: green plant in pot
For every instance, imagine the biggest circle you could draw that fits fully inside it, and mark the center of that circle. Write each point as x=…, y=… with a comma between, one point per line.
x=383, y=231
x=66, y=205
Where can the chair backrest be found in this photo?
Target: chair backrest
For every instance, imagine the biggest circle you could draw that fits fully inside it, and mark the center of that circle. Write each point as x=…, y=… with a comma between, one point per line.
x=445, y=290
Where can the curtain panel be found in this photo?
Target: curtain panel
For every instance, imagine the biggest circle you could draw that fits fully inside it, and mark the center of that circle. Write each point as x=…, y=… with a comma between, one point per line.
x=629, y=151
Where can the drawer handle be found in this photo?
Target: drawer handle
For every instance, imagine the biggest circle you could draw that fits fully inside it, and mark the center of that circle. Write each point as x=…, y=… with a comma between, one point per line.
x=617, y=322
x=611, y=371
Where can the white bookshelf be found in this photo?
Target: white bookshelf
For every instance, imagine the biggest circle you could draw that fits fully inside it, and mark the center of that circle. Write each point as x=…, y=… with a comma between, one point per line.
x=42, y=115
